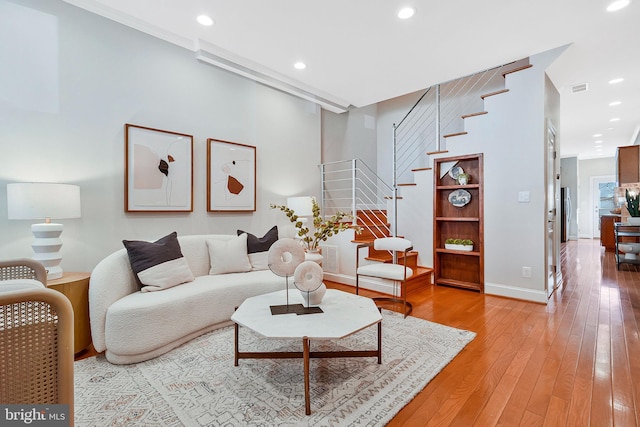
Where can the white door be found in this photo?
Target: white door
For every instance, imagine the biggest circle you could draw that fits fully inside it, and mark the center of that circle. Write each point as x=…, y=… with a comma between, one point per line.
x=602, y=188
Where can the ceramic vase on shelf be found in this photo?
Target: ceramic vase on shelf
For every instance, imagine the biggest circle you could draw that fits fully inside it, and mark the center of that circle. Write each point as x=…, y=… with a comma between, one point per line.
x=463, y=179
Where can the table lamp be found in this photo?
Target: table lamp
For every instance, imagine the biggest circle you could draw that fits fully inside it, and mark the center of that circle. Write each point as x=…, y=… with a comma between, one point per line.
x=44, y=201
x=301, y=205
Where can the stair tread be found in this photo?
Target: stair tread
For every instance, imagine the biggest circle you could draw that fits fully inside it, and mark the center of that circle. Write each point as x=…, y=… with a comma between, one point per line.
x=454, y=134
x=515, y=70
x=479, y=113
x=498, y=92
x=429, y=153
x=421, y=169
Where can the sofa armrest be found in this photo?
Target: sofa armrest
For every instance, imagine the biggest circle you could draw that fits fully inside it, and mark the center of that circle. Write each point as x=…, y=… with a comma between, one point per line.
x=111, y=280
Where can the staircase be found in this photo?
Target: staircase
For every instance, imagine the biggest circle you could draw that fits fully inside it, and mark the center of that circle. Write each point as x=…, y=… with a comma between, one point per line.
x=431, y=125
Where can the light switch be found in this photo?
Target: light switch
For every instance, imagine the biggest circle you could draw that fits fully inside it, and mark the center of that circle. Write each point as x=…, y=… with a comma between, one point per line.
x=523, y=197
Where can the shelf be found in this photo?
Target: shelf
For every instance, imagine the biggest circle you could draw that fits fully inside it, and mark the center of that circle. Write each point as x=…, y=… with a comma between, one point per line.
x=451, y=251
x=461, y=269
x=622, y=260
x=456, y=187
x=458, y=283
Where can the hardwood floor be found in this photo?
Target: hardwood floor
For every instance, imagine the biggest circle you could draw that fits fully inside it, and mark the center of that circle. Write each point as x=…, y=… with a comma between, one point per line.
x=573, y=362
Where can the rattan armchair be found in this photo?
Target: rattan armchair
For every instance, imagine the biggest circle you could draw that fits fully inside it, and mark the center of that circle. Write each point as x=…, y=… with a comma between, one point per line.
x=36, y=340
x=22, y=268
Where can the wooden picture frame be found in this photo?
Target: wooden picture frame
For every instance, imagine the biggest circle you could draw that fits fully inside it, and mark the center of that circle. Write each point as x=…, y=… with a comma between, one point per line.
x=231, y=176
x=158, y=170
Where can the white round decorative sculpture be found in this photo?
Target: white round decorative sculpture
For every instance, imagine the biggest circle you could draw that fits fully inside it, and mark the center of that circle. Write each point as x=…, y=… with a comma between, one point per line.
x=308, y=279
x=284, y=256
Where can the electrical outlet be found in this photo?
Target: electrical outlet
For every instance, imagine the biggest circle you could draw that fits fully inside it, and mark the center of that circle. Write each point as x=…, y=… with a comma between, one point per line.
x=526, y=272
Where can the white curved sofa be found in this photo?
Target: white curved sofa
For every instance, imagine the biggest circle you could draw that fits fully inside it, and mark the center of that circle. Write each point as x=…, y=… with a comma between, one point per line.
x=132, y=326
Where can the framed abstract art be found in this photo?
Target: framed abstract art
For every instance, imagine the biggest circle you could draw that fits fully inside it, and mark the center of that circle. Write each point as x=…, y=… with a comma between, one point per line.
x=158, y=170
x=231, y=177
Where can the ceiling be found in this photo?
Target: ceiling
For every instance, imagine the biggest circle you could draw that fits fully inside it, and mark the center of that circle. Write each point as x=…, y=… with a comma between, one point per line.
x=358, y=52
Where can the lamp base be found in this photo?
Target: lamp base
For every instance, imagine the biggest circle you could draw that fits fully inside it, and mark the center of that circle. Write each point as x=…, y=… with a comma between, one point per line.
x=46, y=247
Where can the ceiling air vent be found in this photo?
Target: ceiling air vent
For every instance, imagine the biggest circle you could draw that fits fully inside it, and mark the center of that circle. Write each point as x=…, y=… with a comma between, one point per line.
x=580, y=88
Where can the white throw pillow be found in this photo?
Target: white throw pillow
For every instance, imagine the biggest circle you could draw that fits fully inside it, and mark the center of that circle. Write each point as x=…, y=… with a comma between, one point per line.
x=229, y=256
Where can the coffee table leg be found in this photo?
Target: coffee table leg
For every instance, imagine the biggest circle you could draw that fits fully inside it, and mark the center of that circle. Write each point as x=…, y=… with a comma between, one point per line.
x=305, y=355
x=379, y=343
x=235, y=349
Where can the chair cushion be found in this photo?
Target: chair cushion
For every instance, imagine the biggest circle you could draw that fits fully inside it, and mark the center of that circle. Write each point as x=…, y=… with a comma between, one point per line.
x=385, y=271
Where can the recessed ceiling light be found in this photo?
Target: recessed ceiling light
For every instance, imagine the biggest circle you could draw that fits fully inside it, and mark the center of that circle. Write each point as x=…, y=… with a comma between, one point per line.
x=300, y=65
x=614, y=103
x=614, y=81
x=205, y=20
x=615, y=119
x=597, y=135
x=617, y=5
x=598, y=141
x=406, y=12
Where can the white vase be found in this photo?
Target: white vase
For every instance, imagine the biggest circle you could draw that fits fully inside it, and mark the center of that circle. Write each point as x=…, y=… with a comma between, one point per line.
x=315, y=297
x=313, y=255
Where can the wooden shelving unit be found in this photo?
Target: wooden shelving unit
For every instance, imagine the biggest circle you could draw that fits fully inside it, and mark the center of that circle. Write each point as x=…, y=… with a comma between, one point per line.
x=452, y=267
x=625, y=233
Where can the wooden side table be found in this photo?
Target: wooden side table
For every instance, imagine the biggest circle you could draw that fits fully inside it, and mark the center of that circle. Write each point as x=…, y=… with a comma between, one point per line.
x=75, y=286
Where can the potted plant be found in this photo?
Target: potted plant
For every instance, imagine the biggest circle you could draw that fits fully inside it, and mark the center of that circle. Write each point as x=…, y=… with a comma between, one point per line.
x=463, y=178
x=632, y=206
x=459, y=244
x=322, y=229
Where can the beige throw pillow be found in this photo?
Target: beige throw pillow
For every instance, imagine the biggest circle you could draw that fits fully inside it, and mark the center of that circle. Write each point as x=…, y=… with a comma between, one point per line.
x=228, y=256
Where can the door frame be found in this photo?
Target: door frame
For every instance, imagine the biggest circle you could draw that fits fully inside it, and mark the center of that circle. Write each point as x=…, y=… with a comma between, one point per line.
x=592, y=197
x=553, y=276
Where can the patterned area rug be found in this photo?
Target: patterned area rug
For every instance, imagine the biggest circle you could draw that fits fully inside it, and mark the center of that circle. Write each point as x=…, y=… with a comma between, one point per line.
x=197, y=385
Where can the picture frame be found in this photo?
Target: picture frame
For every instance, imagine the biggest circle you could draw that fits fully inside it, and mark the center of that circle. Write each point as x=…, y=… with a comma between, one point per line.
x=231, y=176
x=158, y=170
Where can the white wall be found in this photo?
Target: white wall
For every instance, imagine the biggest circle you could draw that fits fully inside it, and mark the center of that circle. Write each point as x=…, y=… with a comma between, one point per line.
x=106, y=75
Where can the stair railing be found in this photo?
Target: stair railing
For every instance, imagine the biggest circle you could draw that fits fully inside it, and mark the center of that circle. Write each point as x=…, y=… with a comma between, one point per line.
x=437, y=113
x=352, y=186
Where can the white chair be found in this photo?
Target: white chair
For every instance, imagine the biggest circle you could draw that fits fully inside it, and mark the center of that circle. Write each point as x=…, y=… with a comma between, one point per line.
x=398, y=272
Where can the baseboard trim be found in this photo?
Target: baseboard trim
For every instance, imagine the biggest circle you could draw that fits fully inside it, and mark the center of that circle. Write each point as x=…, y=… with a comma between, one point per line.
x=517, y=293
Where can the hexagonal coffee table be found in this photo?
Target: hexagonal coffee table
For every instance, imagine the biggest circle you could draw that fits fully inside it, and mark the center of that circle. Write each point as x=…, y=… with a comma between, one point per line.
x=343, y=314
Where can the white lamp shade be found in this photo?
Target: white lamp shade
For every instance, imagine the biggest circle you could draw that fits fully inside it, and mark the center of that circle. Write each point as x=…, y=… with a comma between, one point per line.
x=302, y=205
x=41, y=200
